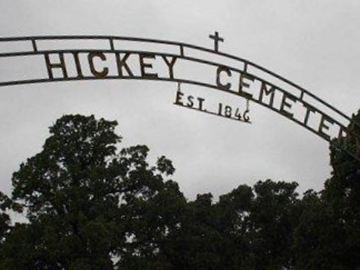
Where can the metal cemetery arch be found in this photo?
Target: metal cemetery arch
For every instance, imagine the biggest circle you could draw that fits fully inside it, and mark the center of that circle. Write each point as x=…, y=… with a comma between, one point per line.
x=254, y=82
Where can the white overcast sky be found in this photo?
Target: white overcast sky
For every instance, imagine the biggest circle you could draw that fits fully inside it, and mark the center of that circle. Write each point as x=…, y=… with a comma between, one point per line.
x=313, y=43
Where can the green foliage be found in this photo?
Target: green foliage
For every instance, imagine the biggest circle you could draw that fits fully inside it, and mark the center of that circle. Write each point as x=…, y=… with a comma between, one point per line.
x=92, y=206
x=84, y=199
x=328, y=235
x=4, y=217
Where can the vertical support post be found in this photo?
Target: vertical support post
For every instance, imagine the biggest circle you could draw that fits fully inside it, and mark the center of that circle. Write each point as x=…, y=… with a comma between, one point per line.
x=111, y=41
x=33, y=42
x=302, y=95
x=181, y=50
x=245, y=67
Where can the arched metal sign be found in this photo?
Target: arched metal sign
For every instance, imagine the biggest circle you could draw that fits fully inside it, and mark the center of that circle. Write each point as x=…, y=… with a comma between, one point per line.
x=41, y=59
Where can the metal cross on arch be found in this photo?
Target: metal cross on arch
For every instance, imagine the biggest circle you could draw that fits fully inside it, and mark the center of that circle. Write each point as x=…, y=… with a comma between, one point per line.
x=216, y=39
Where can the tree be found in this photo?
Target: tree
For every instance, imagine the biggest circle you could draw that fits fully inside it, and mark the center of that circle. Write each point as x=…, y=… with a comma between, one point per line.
x=5, y=204
x=342, y=196
x=248, y=228
x=274, y=214
x=234, y=210
x=87, y=203
x=328, y=235
x=196, y=243
x=92, y=206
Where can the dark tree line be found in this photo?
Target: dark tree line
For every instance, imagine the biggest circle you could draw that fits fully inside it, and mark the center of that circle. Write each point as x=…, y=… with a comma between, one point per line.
x=92, y=206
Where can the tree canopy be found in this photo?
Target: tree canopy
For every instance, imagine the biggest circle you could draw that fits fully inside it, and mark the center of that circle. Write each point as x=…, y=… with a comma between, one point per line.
x=91, y=204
